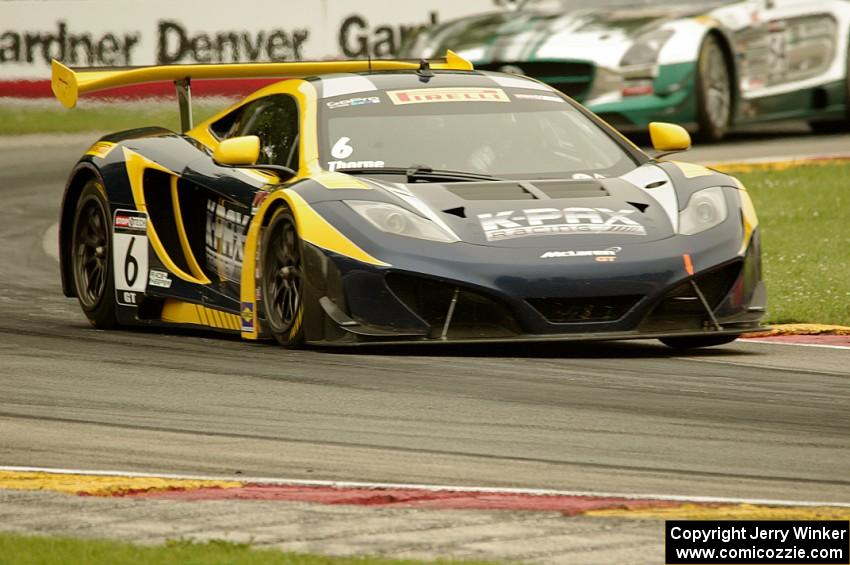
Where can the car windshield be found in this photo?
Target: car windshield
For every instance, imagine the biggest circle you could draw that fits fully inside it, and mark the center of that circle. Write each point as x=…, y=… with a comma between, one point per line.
x=503, y=132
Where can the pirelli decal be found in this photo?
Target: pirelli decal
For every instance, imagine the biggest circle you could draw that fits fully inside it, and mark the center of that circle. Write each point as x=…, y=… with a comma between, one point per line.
x=457, y=94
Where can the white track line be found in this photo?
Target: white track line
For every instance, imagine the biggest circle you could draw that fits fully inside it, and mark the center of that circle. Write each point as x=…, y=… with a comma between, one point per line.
x=426, y=487
x=50, y=241
x=771, y=342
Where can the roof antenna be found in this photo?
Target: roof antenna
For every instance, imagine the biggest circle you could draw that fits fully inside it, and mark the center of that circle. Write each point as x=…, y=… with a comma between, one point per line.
x=425, y=73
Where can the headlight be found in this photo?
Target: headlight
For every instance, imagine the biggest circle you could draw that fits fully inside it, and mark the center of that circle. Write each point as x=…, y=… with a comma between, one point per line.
x=645, y=49
x=395, y=219
x=705, y=209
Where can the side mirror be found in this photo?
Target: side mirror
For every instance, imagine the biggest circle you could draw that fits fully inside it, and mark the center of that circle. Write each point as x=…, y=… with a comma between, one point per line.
x=238, y=151
x=669, y=138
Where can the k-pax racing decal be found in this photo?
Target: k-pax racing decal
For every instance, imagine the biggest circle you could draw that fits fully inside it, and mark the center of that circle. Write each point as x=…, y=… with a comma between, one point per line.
x=129, y=255
x=225, y=240
x=551, y=221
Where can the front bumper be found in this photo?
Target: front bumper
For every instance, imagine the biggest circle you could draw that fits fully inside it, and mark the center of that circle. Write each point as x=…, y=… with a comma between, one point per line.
x=476, y=295
x=673, y=99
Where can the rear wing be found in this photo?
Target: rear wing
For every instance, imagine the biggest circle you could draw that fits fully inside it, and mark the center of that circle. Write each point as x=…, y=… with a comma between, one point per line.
x=68, y=84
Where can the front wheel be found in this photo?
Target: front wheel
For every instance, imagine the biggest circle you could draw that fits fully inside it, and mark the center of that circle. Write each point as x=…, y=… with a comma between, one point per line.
x=695, y=342
x=282, y=280
x=714, y=91
x=91, y=263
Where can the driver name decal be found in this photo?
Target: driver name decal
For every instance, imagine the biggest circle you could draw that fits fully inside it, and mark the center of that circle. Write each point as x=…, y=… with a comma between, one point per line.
x=508, y=224
x=429, y=95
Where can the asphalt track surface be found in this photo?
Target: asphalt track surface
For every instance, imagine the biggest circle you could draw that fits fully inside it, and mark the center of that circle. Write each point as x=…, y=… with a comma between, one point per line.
x=746, y=420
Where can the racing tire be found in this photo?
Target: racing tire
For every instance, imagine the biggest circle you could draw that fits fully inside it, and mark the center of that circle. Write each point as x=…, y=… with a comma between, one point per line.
x=714, y=91
x=91, y=257
x=695, y=342
x=282, y=279
x=841, y=125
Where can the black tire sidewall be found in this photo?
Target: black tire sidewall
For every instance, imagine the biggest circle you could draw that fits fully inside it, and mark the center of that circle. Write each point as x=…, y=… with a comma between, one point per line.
x=283, y=336
x=709, y=131
x=102, y=314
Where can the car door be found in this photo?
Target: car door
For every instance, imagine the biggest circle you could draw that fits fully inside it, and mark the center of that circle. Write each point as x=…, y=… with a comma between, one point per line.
x=802, y=42
x=274, y=119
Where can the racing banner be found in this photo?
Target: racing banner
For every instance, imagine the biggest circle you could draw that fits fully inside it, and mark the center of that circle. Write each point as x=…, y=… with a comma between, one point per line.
x=84, y=33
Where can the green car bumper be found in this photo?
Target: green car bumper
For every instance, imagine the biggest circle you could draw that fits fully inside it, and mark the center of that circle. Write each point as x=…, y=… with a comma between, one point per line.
x=674, y=99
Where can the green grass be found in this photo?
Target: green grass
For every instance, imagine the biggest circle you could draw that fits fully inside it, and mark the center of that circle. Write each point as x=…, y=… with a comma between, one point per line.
x=39, y=550
x=42, y=117
x=804, y=215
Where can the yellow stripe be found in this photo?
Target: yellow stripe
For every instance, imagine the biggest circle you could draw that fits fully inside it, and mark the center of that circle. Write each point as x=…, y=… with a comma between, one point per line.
x=744, y=167
x=180, y=312
x=750, y=219
x=314, y=229
x=202, y=315
x=184, y=239
x=101, y=149
x=95, y=485
x=219, y=321
x=727, y=512
x=136, y=165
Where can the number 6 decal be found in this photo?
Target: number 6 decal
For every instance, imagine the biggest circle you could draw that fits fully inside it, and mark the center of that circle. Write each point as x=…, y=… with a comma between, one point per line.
x=341, y=149
x=130, y=255
x=130, y=261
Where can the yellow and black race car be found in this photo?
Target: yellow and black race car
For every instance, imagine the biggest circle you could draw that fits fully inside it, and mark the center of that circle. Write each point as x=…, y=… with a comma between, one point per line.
x=402, y=201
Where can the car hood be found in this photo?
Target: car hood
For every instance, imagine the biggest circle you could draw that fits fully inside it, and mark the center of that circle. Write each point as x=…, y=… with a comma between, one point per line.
x=527, y=35
x=538, y=213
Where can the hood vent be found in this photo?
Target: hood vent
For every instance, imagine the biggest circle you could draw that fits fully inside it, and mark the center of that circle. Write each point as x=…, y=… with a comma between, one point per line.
x=528, y=190
x=490, y=191
x=571, y=188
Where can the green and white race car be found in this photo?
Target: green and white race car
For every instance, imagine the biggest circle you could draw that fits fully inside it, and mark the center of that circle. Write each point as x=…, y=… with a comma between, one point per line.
x=706, y=64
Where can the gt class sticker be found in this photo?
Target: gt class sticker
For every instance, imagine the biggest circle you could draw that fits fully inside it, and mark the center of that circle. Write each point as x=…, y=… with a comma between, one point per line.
x=454, y=94
x=552, y=221
x=129, y=255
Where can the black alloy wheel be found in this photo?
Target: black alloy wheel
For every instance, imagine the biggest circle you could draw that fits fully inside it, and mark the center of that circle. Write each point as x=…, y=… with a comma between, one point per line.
x=283, y=280
x=91, y=261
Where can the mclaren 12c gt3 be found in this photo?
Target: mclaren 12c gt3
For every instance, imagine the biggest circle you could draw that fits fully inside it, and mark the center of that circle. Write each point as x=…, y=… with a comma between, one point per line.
x=406, y=201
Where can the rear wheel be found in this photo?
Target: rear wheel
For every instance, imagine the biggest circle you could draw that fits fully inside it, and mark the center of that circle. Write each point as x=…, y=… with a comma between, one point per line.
x=91, y=264
x=714, y=91
x=282, y=280
x=694, y=342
